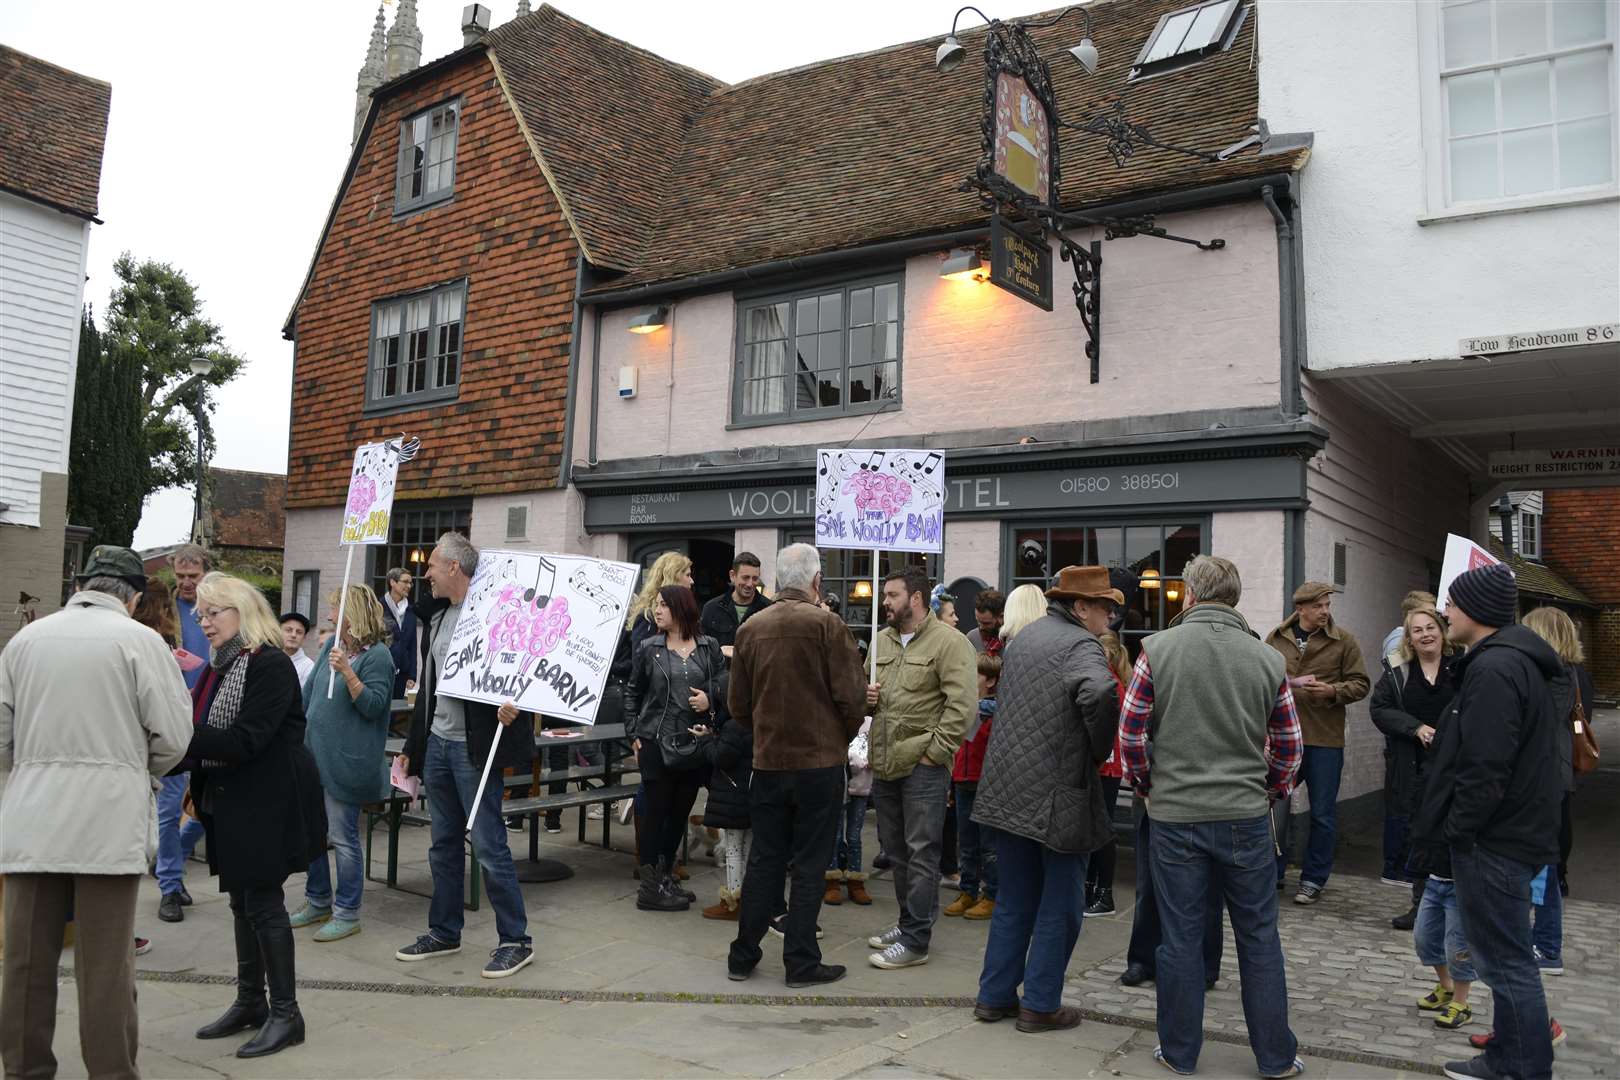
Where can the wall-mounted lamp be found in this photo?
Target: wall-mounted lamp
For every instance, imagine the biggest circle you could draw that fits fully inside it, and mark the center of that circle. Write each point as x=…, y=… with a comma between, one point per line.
x=1172, y=592
x=415, y=555
x=1149, y=579
x=649, y=319
x=861, y=591
x=964, y=264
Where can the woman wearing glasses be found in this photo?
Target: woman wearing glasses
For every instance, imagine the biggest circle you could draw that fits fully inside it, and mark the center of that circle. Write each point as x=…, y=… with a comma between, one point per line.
x=256, y=790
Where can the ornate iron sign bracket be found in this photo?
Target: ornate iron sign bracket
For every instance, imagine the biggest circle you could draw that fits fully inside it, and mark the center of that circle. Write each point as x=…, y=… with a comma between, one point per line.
x=1087, y=260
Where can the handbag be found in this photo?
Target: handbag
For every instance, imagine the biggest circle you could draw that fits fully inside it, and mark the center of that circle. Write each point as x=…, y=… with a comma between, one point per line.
x=1585, y=740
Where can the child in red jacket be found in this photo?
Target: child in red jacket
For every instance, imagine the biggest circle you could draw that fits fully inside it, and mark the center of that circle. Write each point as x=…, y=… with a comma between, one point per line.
x=977, y=856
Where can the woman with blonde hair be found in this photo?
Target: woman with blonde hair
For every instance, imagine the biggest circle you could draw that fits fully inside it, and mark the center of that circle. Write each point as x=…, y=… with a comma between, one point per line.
x=346, y=733
x=670, y=568
x=1026, y=604
x=258, y=794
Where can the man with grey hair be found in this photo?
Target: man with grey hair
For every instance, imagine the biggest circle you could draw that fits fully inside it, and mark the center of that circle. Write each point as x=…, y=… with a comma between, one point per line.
x=189, y=563
x=449, y=743
x=797, y=685
x=1216, y=703
x=92, y=714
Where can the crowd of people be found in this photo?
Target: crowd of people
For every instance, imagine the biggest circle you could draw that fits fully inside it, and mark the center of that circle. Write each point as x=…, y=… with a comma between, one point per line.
x=993, y=761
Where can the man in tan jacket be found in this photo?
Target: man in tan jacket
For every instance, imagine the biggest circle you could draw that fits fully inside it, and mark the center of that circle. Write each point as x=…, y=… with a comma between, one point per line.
x=93, y=712
x=1326, y=672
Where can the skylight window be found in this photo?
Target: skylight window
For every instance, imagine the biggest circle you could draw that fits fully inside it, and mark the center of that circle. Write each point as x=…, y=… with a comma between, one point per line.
x=1188, y=35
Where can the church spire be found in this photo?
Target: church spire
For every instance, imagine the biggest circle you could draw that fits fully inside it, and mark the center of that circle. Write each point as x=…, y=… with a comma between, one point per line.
x=372, y=74
x=404, y=41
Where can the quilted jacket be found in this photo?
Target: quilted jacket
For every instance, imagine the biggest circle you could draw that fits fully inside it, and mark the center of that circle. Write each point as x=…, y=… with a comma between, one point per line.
x=1056, y=723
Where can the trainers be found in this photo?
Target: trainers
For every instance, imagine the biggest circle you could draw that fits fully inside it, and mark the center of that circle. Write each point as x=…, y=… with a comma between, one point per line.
x=142, y=946
x=554, y=823
x=1549, y=965
x=1296, y=1069
x=1480, y=1042
x=1472, y=1069
x=426, y=947
x=1438, y=998
x=514, y=824
x=1395, y=880
x=1406, y=920
x=1308, y=893
x=308, y=915
x=898, y=955
x=337, y=930
x=984, y=909
x=885, y=939
x=778, y=926
x=505, y=960
x=958, y=906
x=1101, y=904
x=1559, y=1035
x=1158, y=1055
x=170, y=908
x=819, y=975
x=594, y=812
x=627, y=810
x=1453, y=1016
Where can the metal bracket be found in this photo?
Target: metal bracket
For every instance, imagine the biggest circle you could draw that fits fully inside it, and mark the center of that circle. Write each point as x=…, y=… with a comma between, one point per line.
x=1119, y=228
x=1087, y=262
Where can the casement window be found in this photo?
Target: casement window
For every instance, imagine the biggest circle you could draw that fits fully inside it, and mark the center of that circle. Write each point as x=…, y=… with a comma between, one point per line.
x=1529, y=534
x=416, y=347
x=1188, y=35
x=813, y=353
x=306, y=595
x=1523, y=101
x=426, y=171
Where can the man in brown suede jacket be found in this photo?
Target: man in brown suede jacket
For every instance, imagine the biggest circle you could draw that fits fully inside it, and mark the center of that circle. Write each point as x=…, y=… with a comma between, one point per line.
x=797, y=684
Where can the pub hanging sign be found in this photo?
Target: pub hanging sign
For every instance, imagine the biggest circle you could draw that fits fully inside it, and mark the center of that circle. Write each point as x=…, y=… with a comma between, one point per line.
x=1019, y=263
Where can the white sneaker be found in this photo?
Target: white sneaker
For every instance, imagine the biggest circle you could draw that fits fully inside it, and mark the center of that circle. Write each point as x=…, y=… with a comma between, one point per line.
x=898, y=955
x=885, y=939
x=594, y=811
x=626, y=810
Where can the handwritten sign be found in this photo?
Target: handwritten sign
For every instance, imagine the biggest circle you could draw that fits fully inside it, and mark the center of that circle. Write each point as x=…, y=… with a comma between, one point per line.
x=371, y=494
x=880, y=499
x=1462, y=555
x=538, y=630
x=1020, y=265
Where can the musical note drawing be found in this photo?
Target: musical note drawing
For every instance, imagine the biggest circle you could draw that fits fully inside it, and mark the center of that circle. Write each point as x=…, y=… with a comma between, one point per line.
x=873, y=462
x=928, y=464
x=605, y=603
x=825, y=458
x=544, y=573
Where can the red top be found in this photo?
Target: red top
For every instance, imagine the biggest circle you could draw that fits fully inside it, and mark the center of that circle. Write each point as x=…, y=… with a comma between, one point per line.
x=1115, y=765
x=969, y=763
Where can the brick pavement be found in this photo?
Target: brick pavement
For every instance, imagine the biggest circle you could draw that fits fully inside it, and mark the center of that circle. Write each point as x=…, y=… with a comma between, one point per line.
x=1353, y=982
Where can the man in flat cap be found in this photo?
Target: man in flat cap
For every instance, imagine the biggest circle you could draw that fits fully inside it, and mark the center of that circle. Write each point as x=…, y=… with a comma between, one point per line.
x=1326, y=673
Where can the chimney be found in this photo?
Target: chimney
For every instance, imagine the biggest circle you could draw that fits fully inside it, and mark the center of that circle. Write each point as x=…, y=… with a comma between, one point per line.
x=372, y=74
x=404, y=41
x=474, y=23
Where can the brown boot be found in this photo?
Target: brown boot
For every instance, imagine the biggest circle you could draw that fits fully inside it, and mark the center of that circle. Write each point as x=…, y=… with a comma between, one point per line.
x=1065, y=1016
x=984, y=909
x=961, y=904
x=727, y=909
x=835, y=888
x=856, y=883
x=680, y=872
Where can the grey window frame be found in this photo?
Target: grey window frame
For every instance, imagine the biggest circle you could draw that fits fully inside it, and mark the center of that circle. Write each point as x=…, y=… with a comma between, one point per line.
x=404, y=204
x=415, y=525
x=1142, y=69
x=839, y=565
x=791, y=297
x=431, y=392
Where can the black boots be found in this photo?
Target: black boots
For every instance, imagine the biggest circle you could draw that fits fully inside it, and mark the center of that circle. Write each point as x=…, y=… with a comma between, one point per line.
x=657, y=892
x=285, y=1027
x=249, y=1011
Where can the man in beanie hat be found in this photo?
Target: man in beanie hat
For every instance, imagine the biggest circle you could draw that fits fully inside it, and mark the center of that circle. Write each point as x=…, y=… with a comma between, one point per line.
x=91, y=701
x=1326, y=672
x=1494, y=790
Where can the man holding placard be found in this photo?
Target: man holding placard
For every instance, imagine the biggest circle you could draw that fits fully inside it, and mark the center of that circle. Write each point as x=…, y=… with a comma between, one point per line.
x=450, y=742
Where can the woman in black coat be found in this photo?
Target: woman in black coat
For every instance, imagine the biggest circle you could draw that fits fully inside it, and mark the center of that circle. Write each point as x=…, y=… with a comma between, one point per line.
x=257, y=791
x=677, y=679
x=400, y=618
x=731, y=760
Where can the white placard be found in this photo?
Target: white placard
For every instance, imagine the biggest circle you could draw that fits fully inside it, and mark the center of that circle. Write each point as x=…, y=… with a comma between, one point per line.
x=539, y=630
x=371, y=494
x=1462, y=555
x=889, y=500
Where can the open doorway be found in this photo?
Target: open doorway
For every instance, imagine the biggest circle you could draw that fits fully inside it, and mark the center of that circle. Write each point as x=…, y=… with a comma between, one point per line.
x=711, y=560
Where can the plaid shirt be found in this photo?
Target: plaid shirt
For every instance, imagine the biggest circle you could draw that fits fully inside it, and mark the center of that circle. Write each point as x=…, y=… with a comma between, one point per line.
x=1284, y=744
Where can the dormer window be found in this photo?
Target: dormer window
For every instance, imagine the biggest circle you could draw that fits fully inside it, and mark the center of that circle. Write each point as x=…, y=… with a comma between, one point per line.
x=427, y=157
x=1188, y=35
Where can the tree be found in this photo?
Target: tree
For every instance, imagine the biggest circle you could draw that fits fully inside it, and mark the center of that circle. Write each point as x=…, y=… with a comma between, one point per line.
x=106, y=450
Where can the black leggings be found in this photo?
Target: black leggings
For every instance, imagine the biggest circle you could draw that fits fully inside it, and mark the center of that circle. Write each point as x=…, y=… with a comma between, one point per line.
x=264, y=906
x=667, y=797
x=1100, y=871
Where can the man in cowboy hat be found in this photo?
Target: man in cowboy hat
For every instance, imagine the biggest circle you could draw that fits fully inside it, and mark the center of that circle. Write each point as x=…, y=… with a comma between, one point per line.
x=1055, y=724
x=1326, y=672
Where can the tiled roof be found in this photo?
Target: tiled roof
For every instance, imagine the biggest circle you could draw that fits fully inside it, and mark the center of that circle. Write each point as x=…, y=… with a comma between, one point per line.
x=53, y=123
x=1538, y=580
x=248, y=508
x=608, y=120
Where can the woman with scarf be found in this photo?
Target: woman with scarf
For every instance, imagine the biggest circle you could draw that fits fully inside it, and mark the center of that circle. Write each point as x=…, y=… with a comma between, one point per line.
x=257, y=793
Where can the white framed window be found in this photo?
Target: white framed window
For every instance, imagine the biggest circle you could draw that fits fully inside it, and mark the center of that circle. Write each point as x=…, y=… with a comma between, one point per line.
x=1529, y=534
x=1519, y=101
x=426, y=168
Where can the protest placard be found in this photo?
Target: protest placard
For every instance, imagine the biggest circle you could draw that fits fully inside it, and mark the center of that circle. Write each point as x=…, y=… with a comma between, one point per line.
x=1462, y=554
x=369, y=508
x=888, y=500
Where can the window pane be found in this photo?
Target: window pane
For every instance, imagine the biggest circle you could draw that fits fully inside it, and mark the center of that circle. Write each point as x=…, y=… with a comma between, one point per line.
x=805, y=316
x=1583, y=85
x=860, y=307
x=1180, y=545
x=886, y=380
x=1526, y=95
x=766, y=322
x=1578, y=21
x=1527, y=161
x=767, y=358
x=861, y=388
x=1471, y=101
x=804, y=384
x=1521, y=28
x=888, y=302
x=1168, y=43
x=1029, y=554
x=1142, y=550
x=860, y=345
x=1467, y=32
x=891, y=341
x=832, y=311
x=1473, y=169
x=1110, y=547
x=830, y=354
x=1207, y=26
x=830, y=389
x=1069, y=548
x=1584, y=154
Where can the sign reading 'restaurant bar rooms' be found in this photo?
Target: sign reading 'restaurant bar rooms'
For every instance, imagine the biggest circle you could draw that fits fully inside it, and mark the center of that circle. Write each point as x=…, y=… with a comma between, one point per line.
x=1020, y=265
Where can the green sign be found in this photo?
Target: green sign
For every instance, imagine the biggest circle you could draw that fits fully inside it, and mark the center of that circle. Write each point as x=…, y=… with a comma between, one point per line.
x=1019, y=264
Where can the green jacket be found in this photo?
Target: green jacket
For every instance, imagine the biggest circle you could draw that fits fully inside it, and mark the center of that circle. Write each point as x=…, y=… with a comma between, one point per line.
x=927, y=692
x=1332, y=655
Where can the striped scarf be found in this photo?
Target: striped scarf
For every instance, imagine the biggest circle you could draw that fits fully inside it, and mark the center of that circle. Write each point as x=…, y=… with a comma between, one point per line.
x=231, y=661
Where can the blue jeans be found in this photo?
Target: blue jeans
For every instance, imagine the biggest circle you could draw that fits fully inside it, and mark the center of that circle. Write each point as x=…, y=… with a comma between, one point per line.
x=846, y=852
x=1320, y=773
x=1549, y=929
x=977, y=854
x=174, y=843
x=450, y=781
x=1493, y=897
x=1438, y=933
x=1194, y=867
x=343, y=830
x=1036, y=923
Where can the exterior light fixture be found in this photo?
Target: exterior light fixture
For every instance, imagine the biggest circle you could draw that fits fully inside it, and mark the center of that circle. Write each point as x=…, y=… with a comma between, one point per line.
x=201, y=366
x=1085, y=54
x=649, y=320
x=949, y=55
x=963, y=264
x=861, y=591
x=1149, y=579
x=951, y=52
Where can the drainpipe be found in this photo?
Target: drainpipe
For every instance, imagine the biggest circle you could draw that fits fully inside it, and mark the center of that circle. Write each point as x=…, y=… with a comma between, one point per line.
x=565, y=470
x=1292, y=399
x=596, y=377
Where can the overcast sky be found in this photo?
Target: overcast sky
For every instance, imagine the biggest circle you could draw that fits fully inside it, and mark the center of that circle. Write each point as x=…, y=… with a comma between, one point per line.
x=230, y=129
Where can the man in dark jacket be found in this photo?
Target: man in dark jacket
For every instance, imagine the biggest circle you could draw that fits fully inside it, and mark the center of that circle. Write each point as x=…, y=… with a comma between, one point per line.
x=796, y=683
x=449, y=743
x=1499, y=796
x=725, y=613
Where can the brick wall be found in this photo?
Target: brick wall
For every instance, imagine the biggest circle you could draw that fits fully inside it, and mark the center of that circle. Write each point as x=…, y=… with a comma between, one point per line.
x=503, y=231
x=1580, y=539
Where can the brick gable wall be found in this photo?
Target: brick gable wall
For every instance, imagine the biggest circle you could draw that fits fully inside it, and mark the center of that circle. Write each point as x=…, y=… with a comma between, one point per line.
x=1580, y=538
x=504, y=232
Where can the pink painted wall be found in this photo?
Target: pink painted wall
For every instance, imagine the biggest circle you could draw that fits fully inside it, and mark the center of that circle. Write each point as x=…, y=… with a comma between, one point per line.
x=1182, y=329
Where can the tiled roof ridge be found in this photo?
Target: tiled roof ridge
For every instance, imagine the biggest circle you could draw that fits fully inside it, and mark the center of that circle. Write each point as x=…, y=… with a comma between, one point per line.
x=494, y=37
x=53, y=123
x=69, y=72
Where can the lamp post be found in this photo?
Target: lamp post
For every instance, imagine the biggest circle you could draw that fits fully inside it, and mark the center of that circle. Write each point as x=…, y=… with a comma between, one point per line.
x=200, y=367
